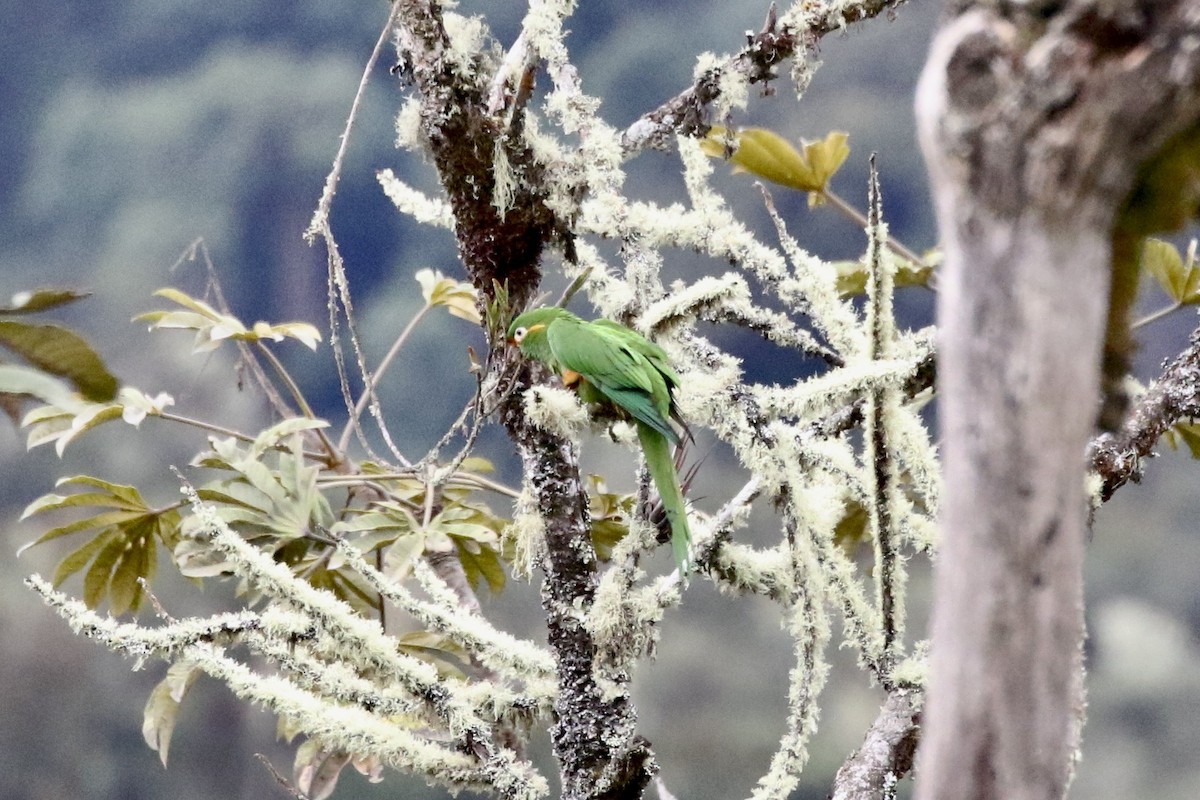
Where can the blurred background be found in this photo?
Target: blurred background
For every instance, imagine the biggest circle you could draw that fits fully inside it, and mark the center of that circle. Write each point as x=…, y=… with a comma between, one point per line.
x=130, y=129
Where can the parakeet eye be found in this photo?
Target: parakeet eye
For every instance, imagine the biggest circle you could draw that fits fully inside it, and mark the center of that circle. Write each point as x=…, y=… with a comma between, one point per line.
x=519, y=334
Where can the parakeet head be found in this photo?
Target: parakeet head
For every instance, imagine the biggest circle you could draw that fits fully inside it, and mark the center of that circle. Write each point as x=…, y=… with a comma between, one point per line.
x=529, y=329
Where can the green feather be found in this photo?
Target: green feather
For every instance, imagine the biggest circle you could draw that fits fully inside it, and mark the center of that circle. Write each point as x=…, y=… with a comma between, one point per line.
x=622, y=368
x=657, y=451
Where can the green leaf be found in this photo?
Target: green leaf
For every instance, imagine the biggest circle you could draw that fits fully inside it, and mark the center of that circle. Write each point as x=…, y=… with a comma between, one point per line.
x=162, y=706
x=196, y=559
x=306, y=334
x=400, y=555
x=768, y=155
x=80, y=558
x=610, y=516
x=212, y=327
x=482, y=564
x=342, y=584
x=1187, y=434
x=281, y=430
x=40, y=300
x=477, y=464
x=317, y=770
x=19, y=380
x=92, y=416
x=58, y=351
x=95, y=582
x=123, y=548
x=1179, y=279
x=136, y=405
x=439, y=650
x=852, y=276
x=458, y=297
x=138, y=560
x=108, y=519
x=122, y=491
x=851, y=531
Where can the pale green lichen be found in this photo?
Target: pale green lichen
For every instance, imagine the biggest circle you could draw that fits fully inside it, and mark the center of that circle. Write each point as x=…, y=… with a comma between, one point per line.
x=504, y=187
x=556, y=410
x=527, y=534
x=494, y=648
x=914, y=670
x=416, y=204
x=409, y=135
x=469, y=44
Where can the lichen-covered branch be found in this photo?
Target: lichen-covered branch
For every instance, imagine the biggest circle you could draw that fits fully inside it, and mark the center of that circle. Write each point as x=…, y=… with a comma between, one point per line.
x=594, y=736
x=1174, y=396
x=794, y=35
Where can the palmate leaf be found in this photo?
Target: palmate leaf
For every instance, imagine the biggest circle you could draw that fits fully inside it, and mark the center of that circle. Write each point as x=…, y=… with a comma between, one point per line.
x=1185, y=434
x=475, y=534
x=469, y=530
x=1179, y=277
x=610, y=515
x=66, y=418
x=123, y=547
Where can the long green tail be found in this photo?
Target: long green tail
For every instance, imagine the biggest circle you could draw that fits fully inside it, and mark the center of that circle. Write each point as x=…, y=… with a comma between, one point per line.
x=657, y=450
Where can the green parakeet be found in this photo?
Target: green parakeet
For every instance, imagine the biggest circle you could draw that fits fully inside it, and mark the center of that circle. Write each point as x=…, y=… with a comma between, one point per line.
x=610, y=364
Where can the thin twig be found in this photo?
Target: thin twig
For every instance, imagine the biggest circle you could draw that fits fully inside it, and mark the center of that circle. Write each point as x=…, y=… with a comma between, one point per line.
x=282, y=781
x=377, y=376
x=335, y=455
x=895, y=245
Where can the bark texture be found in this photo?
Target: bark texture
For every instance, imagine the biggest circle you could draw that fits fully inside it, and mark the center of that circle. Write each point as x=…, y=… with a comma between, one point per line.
x=598, y=751
x=1035, y=119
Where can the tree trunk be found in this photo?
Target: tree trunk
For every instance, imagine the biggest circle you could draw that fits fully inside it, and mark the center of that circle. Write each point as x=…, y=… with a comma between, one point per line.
x=1035, y=121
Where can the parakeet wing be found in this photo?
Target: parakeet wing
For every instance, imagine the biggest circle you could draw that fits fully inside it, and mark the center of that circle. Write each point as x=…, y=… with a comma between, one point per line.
x=648, y=349
x=618, y=371
x=658, y=359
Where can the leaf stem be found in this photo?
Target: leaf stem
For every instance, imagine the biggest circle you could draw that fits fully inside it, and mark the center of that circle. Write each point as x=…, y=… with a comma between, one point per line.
x=207, y=426
x=335, y=454
x=894, y=244
x=1154, y=316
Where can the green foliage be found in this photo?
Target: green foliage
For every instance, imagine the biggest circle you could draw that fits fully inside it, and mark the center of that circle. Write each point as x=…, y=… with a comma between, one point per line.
x=610, y=514
x=124, y=543
x=67, y=417
x=212, y=327
x=284, y=489
x=51, y=351
x=768, y=155
x=162, y=706
x=852, y=275
x=461, y=526
x=457, y=297
x=1185, y=434
x=1178, y=276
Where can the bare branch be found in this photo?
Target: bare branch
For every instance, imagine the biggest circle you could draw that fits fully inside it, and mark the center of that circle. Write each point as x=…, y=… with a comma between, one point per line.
x=887, y=752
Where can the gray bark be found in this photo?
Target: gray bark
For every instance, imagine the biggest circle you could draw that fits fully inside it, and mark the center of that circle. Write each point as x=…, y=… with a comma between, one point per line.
x=1034, y=120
